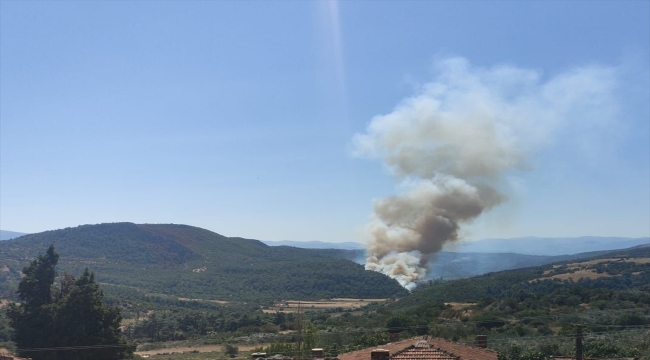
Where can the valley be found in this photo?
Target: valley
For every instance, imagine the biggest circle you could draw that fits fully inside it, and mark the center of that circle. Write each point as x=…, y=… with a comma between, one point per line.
x=186, y=293
x=294, y=306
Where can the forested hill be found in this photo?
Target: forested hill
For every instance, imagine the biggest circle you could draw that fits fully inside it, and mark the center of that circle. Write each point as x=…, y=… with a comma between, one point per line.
x=193, y=262
x=619, y=270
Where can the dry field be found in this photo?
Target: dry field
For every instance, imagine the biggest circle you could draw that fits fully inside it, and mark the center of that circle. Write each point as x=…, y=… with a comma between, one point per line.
x=290, y=306
x=459, y=306
x=221, y=302
x=199, y=348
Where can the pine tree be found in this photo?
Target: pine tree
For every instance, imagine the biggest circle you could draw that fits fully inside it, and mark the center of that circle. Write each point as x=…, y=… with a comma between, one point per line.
x=32, y=320
x=70, y=316
x=36, y=287
x=83, y=319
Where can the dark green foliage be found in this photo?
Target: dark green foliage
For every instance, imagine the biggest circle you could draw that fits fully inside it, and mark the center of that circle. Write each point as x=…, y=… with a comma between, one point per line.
x=71, y=315
x=631, y=320
x=83, y=319
x=310, y=337
x=601, y=349
x=489, y=321
x=397, y=324
x=35, y=289
x=517, y=352
x=230, y=350
x=371, y=339
x=5, y=330
x=32, y=321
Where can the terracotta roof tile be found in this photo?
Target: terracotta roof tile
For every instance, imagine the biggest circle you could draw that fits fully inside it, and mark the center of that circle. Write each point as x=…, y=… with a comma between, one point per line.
x=464, y=351
x=11, y=357
x=415, y=349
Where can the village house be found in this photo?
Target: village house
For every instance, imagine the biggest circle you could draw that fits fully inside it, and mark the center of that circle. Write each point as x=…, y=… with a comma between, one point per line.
x=424, y=348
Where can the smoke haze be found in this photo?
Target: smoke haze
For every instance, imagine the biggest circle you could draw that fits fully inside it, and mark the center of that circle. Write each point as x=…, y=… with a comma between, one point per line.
x=453, y=144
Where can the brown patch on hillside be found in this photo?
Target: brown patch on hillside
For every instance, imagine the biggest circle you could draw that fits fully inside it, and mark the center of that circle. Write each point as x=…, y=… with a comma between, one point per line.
x=463, y=308
x=170, y=232
x=608, y=260
x=459, y=306
x=584, y=269
x=580, y=274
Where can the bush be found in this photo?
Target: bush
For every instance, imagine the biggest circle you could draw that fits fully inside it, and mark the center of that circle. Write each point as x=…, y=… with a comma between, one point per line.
x=604, y=349
x=631, y=320
x=230, y=350
x=489, y=322
x=517, y=352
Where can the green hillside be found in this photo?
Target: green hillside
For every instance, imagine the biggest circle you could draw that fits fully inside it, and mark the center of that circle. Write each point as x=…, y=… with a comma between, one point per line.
x=191, y=262
x=533, y=309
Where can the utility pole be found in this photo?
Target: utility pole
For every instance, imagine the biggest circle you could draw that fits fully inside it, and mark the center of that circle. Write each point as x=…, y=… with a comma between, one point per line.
x=300, y=330
x=578, y=342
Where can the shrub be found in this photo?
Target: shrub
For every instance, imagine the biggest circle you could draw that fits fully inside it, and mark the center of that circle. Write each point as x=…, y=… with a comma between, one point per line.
x=230, y=350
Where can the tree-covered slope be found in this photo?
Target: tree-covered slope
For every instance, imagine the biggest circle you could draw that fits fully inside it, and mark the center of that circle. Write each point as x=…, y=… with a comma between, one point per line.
x=193, y=262
x=532, y=310
x=626, y=269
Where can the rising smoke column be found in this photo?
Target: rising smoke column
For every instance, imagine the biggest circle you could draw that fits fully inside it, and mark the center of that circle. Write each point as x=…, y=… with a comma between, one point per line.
x=453, y=144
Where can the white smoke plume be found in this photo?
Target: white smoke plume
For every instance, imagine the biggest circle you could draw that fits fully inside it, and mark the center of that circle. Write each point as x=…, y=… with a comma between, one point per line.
x=453, y=143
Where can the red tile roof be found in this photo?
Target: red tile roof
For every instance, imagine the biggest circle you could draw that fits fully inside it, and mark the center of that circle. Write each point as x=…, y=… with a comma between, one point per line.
x=365, y=353
x=10, y=357
x=419, y=352
x=430, y=349
x=464, y=351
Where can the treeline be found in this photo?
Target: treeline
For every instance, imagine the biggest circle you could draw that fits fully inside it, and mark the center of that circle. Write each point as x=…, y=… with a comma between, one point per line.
x=191, y=324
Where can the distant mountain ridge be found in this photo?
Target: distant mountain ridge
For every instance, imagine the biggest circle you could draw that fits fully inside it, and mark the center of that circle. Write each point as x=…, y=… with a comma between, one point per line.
x=546, y=246
x=535, y=246
x=192, y=262
x=7, y=235
x=349, y=245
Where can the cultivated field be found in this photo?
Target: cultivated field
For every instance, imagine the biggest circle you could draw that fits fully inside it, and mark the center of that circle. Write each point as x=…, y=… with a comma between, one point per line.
x=290, y=306
x=193, y=349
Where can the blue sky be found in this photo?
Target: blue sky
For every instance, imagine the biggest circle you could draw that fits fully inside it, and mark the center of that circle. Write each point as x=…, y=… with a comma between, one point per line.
x=239, y=117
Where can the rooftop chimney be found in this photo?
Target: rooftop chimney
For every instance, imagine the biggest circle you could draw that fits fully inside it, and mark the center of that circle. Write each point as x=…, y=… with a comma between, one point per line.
x=317, y=353
x=481, y=341
x=379, y=354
